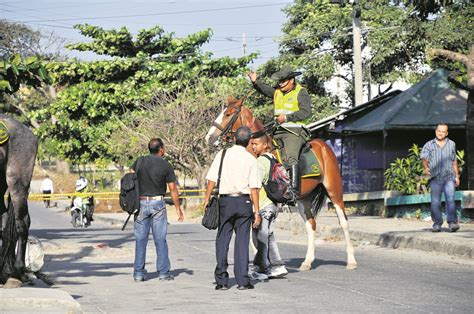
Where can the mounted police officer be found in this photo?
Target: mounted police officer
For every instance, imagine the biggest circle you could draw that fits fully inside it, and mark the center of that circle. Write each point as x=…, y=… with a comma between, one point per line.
x=292, y=110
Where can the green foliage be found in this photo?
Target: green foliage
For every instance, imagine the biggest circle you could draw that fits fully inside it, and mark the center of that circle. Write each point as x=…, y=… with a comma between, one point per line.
x=395, y=35
x=404, y=174
x=98, y=95
x=15, y=71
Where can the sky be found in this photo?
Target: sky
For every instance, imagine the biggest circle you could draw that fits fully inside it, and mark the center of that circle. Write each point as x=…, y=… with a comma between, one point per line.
x=260, y=21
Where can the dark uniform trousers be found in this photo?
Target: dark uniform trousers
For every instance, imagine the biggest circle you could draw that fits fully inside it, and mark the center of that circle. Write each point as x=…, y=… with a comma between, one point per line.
x=235, y=214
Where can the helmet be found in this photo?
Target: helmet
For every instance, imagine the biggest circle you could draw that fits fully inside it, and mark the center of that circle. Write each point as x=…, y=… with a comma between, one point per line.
x=81, y=184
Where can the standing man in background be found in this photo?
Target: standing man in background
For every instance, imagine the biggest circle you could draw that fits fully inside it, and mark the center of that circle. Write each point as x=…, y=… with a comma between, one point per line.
x=47, y=188
x=154, y=175
x=440, y=164
x=238, y=190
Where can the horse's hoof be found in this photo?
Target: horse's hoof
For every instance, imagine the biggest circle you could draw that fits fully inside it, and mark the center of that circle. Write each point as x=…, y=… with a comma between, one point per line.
x=12, y=283
x=305, y=267
x=351, y=266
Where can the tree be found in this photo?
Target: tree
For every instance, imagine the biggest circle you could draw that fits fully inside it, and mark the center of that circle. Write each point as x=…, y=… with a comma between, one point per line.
x=15, y=71
x=18, y=38
x=22, y=47
x=94, y=92
x=318, y=39
x=182, y=121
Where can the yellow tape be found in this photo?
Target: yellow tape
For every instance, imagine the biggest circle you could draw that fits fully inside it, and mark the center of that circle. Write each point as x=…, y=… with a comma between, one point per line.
x=100, y=195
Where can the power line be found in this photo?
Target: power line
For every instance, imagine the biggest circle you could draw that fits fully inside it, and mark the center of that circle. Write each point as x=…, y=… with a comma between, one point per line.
x=57, y=7
x=158, y=14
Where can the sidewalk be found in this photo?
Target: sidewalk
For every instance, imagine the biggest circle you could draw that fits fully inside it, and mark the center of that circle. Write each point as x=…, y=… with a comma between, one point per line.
x=386, y=232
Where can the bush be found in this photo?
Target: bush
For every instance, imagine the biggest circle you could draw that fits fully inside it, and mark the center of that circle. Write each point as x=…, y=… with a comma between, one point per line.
x=406, y=174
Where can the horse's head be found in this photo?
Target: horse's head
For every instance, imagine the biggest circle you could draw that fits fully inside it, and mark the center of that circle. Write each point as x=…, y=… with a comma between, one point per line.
x=231, y=118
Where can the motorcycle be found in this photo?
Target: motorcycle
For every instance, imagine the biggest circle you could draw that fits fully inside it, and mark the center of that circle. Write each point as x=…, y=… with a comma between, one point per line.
x=81, y=211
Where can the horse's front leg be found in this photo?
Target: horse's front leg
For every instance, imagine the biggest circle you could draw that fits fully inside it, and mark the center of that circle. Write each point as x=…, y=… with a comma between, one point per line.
x=351, y=262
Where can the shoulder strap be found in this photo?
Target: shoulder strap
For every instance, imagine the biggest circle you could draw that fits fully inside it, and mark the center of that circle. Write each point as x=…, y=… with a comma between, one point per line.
x=270, y=168
x=220, y=169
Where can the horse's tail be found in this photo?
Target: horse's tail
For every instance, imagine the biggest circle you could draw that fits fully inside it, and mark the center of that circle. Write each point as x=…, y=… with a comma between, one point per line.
x=317, y=200
x=330, y=171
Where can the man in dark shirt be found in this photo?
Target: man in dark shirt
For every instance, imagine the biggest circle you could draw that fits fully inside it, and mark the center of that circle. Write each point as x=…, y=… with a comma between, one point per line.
x=292, y=110
x=154, y=175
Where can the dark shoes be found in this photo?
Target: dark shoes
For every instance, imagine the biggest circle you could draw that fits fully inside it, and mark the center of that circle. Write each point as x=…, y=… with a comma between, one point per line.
x=436, y=228
x=166, y=278
x=246, y=287
x=138, y=279
x=221, y=287
x=453, y=227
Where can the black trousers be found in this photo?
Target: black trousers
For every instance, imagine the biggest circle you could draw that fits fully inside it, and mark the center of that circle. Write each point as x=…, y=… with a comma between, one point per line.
x=235, y=214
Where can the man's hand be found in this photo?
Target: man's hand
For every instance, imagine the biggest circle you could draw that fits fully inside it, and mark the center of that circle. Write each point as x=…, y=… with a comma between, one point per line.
x=457, y=181
x=180, y=214
x=257, y=221
x=252, y=76
x=427, y=172
x=280, y=118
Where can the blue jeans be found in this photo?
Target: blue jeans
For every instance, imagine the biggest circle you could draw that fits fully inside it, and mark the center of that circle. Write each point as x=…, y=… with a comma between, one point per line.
x=152, y=214
x=268, y=254
x=438, y=187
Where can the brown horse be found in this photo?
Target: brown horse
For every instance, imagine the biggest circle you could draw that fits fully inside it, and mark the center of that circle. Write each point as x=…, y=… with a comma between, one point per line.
x=329, y=182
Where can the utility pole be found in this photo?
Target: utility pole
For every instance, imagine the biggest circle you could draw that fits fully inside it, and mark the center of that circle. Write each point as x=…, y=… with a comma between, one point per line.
x=244, y=43
x=356, y=11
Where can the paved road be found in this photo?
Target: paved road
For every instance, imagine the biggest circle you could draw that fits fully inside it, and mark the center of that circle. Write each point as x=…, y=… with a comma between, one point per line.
x=95, y=265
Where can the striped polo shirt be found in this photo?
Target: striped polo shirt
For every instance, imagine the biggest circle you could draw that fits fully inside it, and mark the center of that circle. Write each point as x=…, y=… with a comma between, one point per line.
x=440, y=159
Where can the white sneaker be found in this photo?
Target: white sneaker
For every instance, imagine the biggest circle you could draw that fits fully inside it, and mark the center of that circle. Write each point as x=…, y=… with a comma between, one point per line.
x=278, y=272
x=257, y=276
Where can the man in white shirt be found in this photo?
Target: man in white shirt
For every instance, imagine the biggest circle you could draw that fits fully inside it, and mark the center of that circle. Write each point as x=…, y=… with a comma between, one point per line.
x=47, y=188
x=238, y=189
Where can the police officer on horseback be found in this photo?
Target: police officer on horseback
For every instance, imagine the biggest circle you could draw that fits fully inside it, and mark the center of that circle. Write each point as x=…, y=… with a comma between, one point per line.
x=292, y=110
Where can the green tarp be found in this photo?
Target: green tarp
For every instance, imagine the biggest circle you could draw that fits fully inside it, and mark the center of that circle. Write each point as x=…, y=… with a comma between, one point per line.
x=422, y=106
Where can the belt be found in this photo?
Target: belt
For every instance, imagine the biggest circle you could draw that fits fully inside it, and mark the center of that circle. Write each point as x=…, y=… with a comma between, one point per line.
x=233, y=195
x=152, y=198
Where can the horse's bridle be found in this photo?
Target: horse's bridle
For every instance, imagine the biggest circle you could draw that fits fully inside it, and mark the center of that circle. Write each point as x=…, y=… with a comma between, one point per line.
x=227, y=133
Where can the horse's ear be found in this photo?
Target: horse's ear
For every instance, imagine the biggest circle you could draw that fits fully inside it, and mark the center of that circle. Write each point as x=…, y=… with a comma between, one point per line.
x=230, y=99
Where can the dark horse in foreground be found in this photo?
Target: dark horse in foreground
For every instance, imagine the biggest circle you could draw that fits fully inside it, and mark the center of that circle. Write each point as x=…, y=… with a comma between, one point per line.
x=17, y=160
x=236, y=115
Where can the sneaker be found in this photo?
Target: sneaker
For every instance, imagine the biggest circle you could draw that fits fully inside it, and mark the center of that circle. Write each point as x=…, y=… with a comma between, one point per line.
x=453, y=227
x=168, y=277
x=278, y=272
x=436, y=228
x=138, y=279
x=254, y=275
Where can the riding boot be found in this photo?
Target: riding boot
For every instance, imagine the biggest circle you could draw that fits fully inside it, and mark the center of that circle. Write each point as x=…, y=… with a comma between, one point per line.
x=294, y=184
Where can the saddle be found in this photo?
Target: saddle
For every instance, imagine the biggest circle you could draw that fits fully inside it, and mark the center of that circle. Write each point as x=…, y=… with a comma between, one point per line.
x=308, y=164
x=4, y=136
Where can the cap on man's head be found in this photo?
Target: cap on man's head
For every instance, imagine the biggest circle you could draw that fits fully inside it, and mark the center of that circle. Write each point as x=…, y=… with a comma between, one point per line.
x=284, y=74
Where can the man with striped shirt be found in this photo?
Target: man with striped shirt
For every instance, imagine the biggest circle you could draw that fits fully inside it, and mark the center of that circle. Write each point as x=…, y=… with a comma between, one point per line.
x=440, y=164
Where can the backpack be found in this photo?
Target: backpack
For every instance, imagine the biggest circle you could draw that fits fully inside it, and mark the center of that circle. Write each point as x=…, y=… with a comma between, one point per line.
x=278, y=185
x=129, y=195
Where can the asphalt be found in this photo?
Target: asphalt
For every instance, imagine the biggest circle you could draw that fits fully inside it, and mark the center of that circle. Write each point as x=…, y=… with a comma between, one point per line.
x=386, y=232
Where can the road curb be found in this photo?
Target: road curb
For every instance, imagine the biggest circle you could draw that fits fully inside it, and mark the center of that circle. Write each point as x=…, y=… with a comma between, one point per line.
x=44, y=300
x=396, y=240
